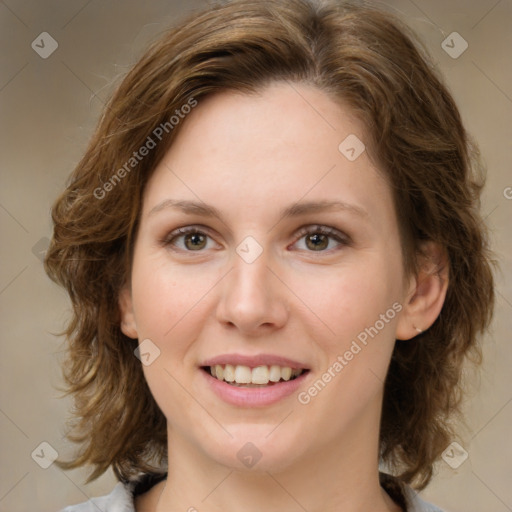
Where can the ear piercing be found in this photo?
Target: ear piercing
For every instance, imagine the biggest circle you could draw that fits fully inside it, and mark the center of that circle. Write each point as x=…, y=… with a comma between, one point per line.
x=418, y=329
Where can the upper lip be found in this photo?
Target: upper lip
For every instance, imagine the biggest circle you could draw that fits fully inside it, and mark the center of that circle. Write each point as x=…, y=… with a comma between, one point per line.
x=253, y=361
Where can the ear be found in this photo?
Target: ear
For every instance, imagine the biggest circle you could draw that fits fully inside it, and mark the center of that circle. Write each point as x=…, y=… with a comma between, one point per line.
x=426, y=294
x=128, y=324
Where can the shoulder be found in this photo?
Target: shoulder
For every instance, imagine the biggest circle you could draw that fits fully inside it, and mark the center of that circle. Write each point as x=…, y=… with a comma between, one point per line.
x=121, y=499
x=416, y=504
x=404, y=495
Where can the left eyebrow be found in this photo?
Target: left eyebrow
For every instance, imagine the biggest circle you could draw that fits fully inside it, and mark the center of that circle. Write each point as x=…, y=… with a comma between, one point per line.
x=294, y=210
x=321, y=206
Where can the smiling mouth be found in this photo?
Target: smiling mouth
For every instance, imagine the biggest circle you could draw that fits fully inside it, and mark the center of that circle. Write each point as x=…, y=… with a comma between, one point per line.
x=259, y=376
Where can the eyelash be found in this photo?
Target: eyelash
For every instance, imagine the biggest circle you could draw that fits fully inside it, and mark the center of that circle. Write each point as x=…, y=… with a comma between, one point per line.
x=341, y=238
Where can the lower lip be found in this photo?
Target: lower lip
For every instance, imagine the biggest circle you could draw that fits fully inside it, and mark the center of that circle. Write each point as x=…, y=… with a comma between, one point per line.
x=253, y=397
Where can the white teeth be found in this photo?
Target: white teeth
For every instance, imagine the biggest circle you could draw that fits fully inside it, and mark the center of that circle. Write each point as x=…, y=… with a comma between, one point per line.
x=286, y=373
x=275, y=373
x=260, y=375
x=229, y=373
x=219, y=371
x=243, y=374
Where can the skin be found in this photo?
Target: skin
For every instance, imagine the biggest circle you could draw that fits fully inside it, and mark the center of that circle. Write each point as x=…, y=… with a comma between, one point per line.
x=249, y=156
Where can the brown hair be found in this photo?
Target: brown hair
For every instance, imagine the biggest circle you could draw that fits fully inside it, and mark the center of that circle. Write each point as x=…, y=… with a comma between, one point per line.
x=362, y=56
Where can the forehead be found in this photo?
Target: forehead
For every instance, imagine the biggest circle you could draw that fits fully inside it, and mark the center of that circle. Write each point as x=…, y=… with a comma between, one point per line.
x=286, y=142
x=279, y=116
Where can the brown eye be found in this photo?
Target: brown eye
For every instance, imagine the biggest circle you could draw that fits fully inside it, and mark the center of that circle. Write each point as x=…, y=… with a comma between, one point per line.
x=195, y=241
x=317, y=242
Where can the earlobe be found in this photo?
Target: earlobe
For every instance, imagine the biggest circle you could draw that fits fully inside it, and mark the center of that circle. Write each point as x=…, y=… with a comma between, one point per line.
x=427, y=293
x=128, y=325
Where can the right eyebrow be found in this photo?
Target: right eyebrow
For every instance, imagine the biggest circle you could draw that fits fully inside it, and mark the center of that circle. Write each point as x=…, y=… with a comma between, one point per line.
x=189, y=207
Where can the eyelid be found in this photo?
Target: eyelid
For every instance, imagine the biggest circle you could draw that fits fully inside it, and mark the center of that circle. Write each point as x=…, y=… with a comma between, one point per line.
x=187, y=229
x=326, y=230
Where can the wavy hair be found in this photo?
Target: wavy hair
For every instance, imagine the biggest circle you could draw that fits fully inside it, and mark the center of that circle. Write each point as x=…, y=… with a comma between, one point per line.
x=360, y=55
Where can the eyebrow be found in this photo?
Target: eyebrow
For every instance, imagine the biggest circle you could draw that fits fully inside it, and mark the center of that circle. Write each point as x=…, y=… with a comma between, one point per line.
x=294, y=210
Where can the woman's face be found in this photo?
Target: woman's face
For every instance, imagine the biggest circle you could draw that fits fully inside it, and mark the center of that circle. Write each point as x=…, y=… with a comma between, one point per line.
x=267, y=242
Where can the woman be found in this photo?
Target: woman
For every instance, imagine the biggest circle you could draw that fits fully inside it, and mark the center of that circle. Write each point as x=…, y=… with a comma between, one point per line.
x=277, y=267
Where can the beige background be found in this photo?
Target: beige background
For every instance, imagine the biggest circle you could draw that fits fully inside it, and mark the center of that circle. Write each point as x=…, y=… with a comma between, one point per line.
x=48, y=110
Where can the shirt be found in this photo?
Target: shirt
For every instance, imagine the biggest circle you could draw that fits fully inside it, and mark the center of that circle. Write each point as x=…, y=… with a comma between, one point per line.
x=121, y=499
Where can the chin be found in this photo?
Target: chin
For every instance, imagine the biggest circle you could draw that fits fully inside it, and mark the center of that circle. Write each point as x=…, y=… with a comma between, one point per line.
x=253, y=449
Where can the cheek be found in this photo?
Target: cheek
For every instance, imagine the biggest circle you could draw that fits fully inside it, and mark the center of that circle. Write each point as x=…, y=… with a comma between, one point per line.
x=351, y=299
x=169, y=311
x=361, y=307
x=163, y=295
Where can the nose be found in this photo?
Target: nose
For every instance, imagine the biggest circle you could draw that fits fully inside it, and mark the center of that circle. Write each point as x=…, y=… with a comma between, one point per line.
x=253, y=298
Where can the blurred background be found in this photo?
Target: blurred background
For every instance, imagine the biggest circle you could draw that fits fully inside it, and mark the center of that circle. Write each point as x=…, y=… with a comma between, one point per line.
x=59, y=63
